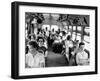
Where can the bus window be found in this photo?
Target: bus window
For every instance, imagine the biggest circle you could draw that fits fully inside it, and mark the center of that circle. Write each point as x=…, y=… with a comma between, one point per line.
x=73, y=36
x=86, y=38
x=55, y=27
x=87, y=45
x=70, y=27
x=79, y=37
x=79, y=28
x=78, y=34
x=46, y=26
x=86, y=30
x=74, y=27
x=66, y=27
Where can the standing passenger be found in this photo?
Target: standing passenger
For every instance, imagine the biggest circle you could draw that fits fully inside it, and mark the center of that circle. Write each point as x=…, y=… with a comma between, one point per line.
x=68, y=46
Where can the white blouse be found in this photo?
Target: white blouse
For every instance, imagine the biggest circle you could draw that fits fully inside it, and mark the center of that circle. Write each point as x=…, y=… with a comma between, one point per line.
x=35, y=61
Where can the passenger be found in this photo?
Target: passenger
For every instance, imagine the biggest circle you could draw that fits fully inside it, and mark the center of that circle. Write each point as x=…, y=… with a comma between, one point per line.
x=57, y=39
x=72, y=60
x=57, y=44
x=57, y=48
x=74, y=49
x=33, y=37
x=68, y=46
x=40, y=33
x=43, y=43
x=81, y=55
x=64, y=35
x=34, y=59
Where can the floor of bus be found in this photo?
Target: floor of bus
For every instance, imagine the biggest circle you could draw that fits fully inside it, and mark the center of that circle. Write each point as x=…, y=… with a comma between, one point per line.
x=55, y=60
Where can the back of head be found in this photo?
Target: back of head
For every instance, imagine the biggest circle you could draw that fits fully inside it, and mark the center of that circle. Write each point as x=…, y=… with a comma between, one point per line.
x=68, y=37
x=57, y=48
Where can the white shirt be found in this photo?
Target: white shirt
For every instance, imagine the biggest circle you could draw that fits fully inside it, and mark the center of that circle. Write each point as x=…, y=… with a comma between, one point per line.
x=47, y=33
x=34, y=21
x=35, y=61
x=67, y=45
x=82, y=58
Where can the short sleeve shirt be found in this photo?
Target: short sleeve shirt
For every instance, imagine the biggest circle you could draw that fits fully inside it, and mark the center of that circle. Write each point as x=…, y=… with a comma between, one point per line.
x=34, y=61
x=82, y=56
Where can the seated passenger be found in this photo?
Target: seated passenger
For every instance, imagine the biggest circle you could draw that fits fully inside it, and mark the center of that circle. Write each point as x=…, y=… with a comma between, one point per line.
x=81, y=55
x=33, y=58
x=41, y=42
